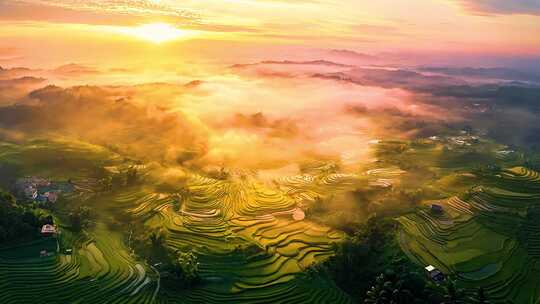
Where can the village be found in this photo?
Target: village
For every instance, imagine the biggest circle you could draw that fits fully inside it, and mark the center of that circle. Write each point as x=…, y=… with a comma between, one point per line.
x=42, y=191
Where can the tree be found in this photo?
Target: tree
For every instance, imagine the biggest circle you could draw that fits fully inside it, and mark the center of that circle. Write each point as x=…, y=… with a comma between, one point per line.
x=3, y=234
x=411, y=197
x=376, y=232
x=221, y=174
x=481, y=296
x=185, y=193
x=132, y=176
x=185, y=267
x=360, y=259
x=379, y=293
x=17, y=222
x=157, y=239
x=80, y=218
x=7, y=198
x=388, y=289
x=176, y=201
x=106, y=183
x=99, y=171
x=453, y=295
x=117, y=181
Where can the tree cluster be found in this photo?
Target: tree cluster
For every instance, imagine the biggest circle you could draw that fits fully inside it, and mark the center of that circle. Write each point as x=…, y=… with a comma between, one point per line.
x=371, y=267
x=18, y=221
x=80, y=218
x=185, y=267
x=362, y=257
x=128, y=177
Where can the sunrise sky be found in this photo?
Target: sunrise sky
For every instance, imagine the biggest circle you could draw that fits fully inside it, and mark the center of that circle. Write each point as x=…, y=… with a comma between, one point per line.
x=49, y=32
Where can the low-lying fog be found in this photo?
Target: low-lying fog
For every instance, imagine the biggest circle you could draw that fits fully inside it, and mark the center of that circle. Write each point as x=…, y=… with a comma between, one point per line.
x=271, y=115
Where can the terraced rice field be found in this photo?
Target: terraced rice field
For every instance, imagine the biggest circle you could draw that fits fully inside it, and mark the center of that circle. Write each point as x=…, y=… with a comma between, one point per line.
x=250, y=246
x=100, y=270
x=488, y=238
x=252, y=239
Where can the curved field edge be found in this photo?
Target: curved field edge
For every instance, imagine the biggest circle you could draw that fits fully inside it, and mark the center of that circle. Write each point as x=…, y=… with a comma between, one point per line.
x=487, y=237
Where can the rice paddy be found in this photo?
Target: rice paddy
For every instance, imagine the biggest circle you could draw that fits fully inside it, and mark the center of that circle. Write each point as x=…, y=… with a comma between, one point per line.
x=251, y=239
x=246, y=237
x=488, y=237
x=254, y=239
x=100, y=270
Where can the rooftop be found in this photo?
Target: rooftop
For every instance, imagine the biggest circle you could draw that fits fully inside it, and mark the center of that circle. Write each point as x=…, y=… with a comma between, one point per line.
x=430, y=268
x=47, y=229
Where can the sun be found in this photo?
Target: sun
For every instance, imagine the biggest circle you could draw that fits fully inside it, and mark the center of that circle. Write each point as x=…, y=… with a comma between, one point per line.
x=155, y=32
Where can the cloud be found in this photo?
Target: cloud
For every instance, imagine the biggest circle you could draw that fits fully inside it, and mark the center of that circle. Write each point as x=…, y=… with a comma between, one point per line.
x=74, y=70
x=438, y=100
x=356, y=109
x=290, y=62
x=249, y=117
x=91, y=12
x=8, y=51
x=353, y=56
x=380, y=77
x=485, y=73
x=17, y=72
x=288, y=68
x=8, y=54
x=526, y=7
x=393, y=78
x=282, y=127
x=105, y=116
x=14, y=90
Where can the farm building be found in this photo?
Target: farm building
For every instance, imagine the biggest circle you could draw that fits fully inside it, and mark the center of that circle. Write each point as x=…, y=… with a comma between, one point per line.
x=434, y=274
x=48, y=230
